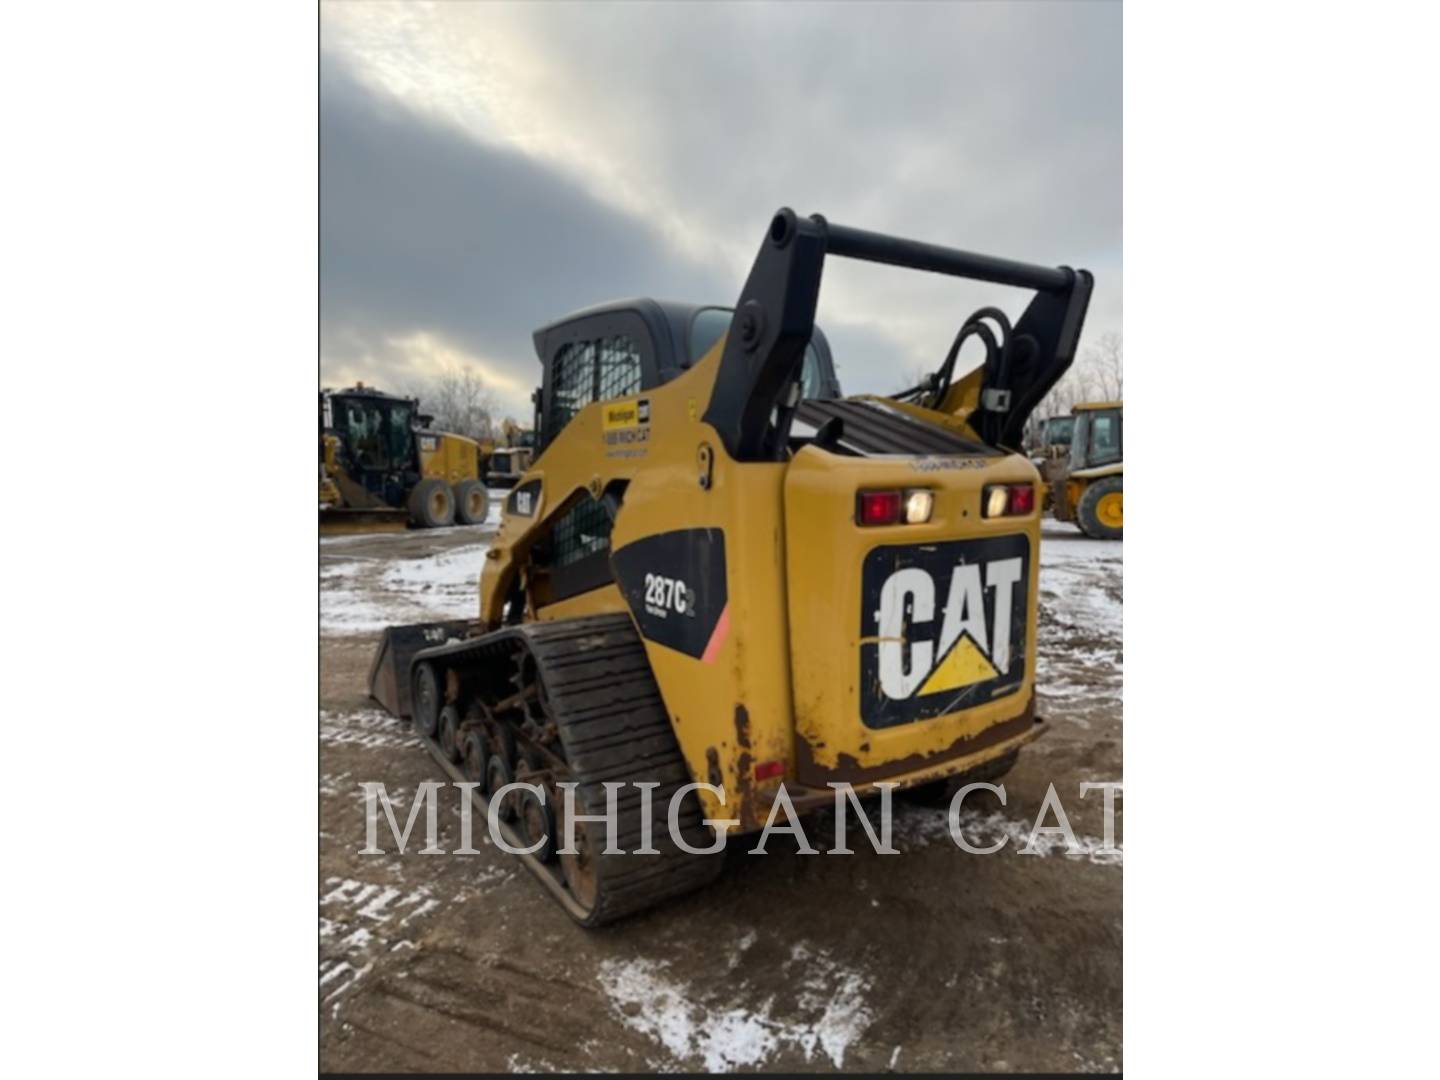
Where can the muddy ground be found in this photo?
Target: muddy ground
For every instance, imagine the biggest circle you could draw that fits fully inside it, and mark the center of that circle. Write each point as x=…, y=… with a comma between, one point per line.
x=929, y=960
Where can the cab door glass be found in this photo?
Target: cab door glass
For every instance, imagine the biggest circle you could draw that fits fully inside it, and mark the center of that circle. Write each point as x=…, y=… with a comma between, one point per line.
x=1104, y=438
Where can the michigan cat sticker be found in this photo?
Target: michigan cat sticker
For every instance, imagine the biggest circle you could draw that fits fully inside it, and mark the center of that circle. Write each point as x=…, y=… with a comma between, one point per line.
x=942, y=627
x=625, y=423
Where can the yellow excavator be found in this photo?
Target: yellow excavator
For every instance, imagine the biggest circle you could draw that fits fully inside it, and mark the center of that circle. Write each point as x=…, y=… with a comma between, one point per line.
x=719, y=576
x=382, y=468
x=1088, y=484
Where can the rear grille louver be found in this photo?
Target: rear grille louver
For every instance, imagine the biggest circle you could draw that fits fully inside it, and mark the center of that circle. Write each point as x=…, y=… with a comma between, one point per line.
x=872, y=428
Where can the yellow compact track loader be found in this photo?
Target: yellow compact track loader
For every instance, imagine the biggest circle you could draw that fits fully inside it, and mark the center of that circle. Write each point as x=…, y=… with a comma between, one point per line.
x=720, y=573
x=1088, y=485
x=381, y=468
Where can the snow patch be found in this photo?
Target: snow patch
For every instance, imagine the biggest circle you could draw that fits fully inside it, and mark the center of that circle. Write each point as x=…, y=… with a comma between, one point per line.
x=372, y=729
x=921, y=826
x=1080, y=657
x=359, y=921
x=726, y=1037
x=362, y=596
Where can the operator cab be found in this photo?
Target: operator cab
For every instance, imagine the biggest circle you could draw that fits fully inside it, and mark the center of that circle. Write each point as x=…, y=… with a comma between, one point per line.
x=623, y=348
x=1058, y=431
x=375, y=431
x=1098, y=436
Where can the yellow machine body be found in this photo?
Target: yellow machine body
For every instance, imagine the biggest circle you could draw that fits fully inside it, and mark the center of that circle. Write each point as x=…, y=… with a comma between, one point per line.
x=781, y=683
x=447, y=457
x=719, y=571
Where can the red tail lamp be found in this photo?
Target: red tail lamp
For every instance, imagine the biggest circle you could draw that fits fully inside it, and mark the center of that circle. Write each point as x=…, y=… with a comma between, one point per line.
x=912, y=506
x=1007, y=500
x=878, y=508
x=767, y=769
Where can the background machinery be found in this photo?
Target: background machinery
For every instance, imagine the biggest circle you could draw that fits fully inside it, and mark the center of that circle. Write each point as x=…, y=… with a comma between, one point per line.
x=1052, y=437
x=719, y=572
x=503, y=465
x=1087, y=485
x=381, y=467
x=1049, y=448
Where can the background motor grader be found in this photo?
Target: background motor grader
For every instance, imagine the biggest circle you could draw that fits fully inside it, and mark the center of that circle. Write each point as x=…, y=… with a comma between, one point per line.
x=1088, y=484
x=381, y=467
x=720, y=572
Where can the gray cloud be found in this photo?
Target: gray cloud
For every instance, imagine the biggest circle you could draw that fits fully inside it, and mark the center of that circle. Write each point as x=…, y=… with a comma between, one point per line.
x=423, y=230
x=641, y=149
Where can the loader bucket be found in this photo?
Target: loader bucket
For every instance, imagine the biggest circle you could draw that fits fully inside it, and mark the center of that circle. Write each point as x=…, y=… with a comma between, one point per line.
x=390, y=670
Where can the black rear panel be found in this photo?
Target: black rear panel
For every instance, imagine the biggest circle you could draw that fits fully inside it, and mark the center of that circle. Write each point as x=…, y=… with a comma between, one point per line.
x=873, y=428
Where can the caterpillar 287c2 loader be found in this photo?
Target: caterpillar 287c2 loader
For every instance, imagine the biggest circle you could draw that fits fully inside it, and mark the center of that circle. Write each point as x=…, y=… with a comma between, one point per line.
x=718, y=572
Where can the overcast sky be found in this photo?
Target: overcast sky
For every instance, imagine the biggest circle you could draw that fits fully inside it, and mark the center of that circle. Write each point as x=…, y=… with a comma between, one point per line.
x=486, y=168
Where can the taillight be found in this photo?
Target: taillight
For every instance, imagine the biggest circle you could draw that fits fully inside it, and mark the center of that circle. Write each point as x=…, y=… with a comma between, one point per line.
x=912, y=507
x=768, y=769
x=878, y=508
x=1007, y=500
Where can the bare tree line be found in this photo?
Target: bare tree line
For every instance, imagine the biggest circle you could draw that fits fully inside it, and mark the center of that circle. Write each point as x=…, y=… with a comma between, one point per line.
x=1098, y=374
x=460, y=401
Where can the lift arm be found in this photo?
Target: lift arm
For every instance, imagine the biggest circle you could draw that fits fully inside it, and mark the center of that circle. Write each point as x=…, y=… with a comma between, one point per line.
x=758, y=385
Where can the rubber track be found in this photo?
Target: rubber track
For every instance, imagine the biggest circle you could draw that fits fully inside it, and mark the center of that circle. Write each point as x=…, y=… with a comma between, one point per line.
x=613, y=726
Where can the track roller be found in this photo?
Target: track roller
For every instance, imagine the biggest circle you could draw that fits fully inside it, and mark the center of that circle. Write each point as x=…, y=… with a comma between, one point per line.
x=450, y=733
x=574, y=701
x=474, y=759
x=497, y=775
x=538, y=823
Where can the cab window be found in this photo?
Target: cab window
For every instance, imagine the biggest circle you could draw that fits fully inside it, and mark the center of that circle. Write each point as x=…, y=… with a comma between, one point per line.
x=710, y=324
x=587, y=371
x=1098, y=439
x=706, y=328
x=1106, y=434
x=378, y=433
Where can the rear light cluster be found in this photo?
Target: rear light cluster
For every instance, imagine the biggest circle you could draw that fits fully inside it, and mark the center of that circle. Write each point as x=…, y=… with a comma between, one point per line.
x=1007, y=500
x=911, y=506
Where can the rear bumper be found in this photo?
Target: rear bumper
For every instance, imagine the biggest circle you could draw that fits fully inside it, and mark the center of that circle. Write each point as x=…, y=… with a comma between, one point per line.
x=997, y=742
x=960, y=755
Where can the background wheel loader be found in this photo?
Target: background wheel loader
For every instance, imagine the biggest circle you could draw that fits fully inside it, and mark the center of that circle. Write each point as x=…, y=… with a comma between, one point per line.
x=1052, y=438
x=381, y=467
x=1087, y=486
x=720, y=572
x=503, y=465
x=1049, y=448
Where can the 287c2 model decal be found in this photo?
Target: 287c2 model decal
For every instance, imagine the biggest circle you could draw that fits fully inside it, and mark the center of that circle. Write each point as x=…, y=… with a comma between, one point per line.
x=665, y=594
x=674, y=583
x=942, y=627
